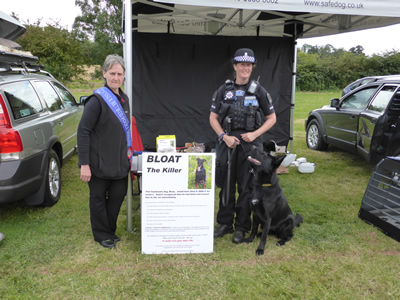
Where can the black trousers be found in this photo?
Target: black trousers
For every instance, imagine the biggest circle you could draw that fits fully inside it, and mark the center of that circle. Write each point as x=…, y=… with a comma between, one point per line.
x=106, y=197
x=235, y=212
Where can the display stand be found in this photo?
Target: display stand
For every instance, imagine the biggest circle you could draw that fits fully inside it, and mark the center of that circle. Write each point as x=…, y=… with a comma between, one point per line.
x=177, y=213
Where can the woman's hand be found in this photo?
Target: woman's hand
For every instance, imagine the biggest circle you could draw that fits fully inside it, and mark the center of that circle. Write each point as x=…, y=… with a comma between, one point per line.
x=230, y=140
x=248, y=137
x=86, y=174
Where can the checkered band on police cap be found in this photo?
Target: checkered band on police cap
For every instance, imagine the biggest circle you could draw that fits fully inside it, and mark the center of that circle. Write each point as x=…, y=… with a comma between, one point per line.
x=244, y=55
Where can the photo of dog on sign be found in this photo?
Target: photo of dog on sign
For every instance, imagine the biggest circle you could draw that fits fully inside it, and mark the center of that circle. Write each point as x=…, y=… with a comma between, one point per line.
x=200, y=172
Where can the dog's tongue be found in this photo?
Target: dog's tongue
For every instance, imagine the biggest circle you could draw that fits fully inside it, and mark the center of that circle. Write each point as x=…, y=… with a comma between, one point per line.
x=254, y=161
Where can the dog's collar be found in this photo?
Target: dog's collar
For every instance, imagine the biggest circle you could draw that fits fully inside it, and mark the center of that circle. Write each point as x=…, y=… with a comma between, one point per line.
x=267, y=184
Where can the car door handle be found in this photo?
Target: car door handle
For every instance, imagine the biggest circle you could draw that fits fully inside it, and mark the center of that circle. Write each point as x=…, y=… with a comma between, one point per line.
x=353, y=116
x=61, y=123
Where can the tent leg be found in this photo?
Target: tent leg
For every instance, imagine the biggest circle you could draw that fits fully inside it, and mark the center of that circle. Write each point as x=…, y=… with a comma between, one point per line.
x=129, y=206
x=293, y=97
x=128, y=90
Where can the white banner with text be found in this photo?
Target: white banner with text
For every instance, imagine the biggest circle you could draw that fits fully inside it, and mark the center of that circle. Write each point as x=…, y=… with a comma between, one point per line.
x=387, y=8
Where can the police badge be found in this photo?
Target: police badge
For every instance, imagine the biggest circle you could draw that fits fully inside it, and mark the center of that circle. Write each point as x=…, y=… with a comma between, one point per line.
x=229, y=95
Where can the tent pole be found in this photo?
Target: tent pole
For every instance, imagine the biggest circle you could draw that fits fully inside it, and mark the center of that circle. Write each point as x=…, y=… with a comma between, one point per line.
x=293, y=95
x=128, y=90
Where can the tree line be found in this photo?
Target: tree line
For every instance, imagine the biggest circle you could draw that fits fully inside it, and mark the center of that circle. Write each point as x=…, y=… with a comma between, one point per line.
x=325, y=67
x=97, y=32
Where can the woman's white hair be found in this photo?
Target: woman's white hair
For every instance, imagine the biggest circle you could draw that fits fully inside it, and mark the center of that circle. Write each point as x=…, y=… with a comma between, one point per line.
x=111, y=60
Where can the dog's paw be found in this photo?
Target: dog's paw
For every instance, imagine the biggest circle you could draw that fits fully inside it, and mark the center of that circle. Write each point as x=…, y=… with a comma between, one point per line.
x=249, y=240
x=280, y=243
x=260, y=252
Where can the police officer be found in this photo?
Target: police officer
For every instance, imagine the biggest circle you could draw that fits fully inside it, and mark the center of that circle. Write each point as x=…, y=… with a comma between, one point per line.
x=241, y=112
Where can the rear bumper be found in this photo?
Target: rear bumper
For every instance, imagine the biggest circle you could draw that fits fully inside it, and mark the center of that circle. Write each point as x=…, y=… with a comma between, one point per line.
x=21, y=178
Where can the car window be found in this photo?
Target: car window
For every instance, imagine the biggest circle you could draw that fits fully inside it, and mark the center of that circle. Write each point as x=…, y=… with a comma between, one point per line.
x=359, y=100
x=23, y=99
x=382, y=99
x=66, y=96
x=49, y=95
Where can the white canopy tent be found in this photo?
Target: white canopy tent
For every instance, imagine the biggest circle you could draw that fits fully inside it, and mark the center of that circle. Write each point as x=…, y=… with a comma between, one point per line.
x=266, y=17
x=240, y=19
x=253, y=18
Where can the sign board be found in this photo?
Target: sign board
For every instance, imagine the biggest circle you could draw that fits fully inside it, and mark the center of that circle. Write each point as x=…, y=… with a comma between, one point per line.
x=389, y=8
x=177, y=211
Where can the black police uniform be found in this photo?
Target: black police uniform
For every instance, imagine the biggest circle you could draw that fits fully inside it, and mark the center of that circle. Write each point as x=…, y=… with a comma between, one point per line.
x=246, y=112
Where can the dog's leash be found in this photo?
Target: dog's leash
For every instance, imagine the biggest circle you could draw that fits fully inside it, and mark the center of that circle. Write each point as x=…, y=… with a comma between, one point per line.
x=225, y=195
x=251, y=171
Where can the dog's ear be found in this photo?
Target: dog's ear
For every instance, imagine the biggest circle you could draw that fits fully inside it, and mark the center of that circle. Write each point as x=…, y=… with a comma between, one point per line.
x=269, y=146
x=278, y=160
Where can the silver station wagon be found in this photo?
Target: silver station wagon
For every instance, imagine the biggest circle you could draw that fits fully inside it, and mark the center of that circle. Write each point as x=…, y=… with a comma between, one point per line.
x=38, y=123
x=38, y=126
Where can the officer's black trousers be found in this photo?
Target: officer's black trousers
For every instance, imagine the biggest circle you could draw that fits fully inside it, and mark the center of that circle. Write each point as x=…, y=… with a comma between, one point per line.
x=106, y=197
x=234, y=212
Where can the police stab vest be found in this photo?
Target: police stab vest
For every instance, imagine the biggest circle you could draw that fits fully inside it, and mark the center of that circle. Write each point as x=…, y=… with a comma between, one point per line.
x=240, y=109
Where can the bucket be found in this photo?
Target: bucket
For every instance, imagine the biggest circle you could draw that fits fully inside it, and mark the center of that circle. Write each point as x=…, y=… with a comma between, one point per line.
x=288, y=160
x=306, y=167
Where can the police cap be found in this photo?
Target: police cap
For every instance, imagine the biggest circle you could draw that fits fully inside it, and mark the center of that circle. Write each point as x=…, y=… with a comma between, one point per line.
x=244, y=55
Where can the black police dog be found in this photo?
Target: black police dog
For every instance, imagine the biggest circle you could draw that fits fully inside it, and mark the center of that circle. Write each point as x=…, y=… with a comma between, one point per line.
x=269, y=205
x=200, y=177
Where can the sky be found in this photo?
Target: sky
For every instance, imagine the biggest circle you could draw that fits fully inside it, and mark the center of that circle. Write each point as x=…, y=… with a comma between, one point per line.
x=29, y=11
x=374, y=41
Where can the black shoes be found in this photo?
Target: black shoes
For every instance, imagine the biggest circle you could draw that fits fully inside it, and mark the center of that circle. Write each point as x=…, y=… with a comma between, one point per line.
x=222, y=230
x=225, y=229
x=110, y=243
x=107, y=243
x=238, y=237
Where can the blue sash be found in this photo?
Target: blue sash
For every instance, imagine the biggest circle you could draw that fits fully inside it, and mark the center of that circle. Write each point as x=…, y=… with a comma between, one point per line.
x=116, y=108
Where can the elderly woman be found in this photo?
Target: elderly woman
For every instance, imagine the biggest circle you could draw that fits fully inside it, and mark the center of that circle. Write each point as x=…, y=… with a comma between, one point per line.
x=105, y=147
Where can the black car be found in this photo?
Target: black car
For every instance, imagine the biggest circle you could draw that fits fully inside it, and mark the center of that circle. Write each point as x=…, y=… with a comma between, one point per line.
x=364, y=121
x=364, y=80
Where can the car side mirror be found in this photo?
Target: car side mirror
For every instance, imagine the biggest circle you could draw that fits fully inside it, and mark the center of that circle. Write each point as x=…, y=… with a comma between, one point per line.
x=335, y=102
x=82, y=99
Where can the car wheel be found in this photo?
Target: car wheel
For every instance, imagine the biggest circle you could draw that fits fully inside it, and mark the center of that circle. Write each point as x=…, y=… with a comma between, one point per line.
x=314, y=137
x=53, y=180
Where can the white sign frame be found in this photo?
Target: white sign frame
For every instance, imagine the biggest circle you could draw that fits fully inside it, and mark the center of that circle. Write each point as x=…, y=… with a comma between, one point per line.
x=177, y=217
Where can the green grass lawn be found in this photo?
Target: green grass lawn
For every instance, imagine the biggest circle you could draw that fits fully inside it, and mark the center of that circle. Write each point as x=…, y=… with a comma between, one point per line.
x=49, y=253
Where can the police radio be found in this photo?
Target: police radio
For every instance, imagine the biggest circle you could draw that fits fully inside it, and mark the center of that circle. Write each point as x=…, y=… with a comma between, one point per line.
x=253, y=87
